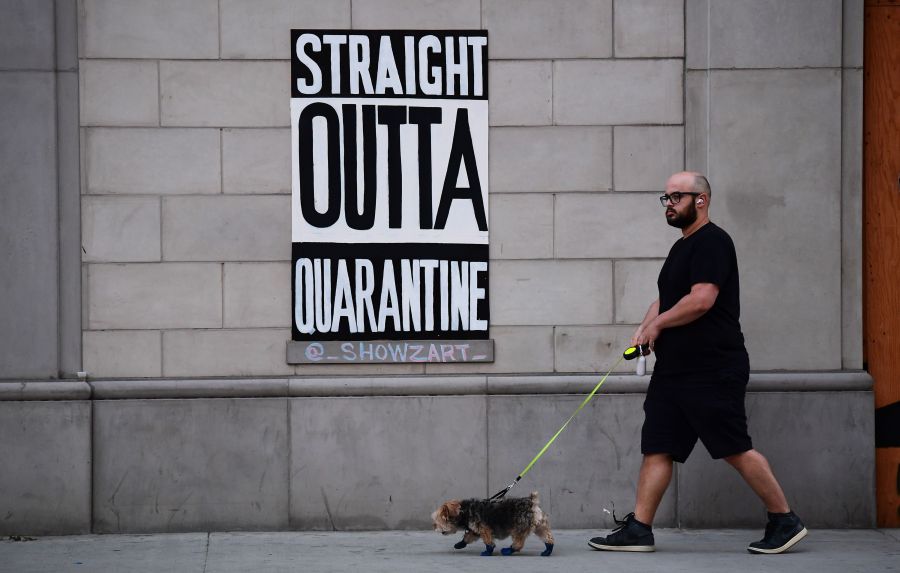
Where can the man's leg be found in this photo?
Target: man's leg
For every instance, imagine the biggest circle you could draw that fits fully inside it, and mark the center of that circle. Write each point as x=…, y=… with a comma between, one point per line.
x=755, y=470
x=654, y=478
x=665, y=429
x=784, y=529
x=634, y=532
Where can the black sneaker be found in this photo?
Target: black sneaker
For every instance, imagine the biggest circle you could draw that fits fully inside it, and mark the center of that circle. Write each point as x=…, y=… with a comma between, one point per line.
x=783, y=531
x=631, y=535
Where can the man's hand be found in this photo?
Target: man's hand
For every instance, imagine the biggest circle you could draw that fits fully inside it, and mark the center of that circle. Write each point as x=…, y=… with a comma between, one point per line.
x=647, y=335
x=691, y=307
x=637, y=335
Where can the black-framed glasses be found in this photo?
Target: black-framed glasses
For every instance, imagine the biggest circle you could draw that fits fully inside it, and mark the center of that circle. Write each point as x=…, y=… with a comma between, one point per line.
x=675, y=197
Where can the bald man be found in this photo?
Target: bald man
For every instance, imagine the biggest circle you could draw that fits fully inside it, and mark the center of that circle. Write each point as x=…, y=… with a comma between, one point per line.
x=699, y=382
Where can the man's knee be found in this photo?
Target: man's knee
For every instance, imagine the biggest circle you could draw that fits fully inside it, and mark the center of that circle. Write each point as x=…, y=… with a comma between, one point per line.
x=658, y=459
x=741, y=459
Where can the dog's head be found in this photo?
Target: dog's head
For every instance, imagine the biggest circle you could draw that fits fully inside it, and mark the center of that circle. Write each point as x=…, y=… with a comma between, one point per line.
x=444, y=517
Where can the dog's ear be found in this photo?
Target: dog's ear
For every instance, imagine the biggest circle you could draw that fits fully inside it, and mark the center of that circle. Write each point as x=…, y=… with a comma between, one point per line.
x=451, y=508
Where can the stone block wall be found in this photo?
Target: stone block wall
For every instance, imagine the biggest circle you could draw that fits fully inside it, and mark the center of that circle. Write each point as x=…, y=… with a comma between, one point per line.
x=186, y=177
x=773, y=115
x=172, y=121
x=145, y=224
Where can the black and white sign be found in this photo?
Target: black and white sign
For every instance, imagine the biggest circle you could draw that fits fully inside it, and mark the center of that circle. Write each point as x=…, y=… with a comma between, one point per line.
x=390, y=186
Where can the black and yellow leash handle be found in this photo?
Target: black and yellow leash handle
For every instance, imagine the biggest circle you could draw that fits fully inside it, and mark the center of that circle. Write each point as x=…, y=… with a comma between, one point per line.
x=630, y=353
x=633, y=352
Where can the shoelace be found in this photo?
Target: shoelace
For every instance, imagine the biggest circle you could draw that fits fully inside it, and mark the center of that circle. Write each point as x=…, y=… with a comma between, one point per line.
x=621, y=523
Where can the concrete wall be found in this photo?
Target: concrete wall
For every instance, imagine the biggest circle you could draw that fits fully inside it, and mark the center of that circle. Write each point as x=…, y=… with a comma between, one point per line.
x=173, y=123
x=40, y=274
x=45, y=486
x=327, y=454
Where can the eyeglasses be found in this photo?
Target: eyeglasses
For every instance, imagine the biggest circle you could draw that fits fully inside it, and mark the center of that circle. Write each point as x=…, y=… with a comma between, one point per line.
x=675, y=197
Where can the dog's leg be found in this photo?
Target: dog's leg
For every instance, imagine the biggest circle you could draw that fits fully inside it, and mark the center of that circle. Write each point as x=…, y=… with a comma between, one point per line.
x=518, y=541
x=542, y=530
x=468, y=537
x=488, y=537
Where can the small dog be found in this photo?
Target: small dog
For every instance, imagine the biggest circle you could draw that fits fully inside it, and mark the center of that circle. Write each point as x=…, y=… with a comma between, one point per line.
x=489, y=520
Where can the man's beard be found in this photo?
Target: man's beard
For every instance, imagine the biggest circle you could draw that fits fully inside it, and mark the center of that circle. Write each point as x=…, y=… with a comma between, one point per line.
x=682, y=221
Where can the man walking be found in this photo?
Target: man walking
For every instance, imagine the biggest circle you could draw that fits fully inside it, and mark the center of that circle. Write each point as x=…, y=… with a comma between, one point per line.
x=699, y=382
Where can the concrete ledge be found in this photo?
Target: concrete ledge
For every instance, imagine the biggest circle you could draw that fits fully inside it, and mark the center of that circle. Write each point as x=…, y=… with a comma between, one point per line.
x=843, y=381
x=374, y=386
x=194, y=388
x=840, y=381
x=27, y=391
x=148, y=389
x=581, y=384
x=453, y=385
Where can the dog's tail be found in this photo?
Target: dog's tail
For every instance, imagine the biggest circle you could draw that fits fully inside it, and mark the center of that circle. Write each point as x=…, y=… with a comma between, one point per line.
x=539, y=516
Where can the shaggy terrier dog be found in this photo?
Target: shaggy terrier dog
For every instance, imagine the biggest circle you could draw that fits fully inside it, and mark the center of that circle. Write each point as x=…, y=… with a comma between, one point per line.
x=489, y=520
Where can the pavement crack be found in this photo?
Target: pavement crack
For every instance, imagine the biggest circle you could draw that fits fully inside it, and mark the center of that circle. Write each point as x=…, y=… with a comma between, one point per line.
x=206, y=557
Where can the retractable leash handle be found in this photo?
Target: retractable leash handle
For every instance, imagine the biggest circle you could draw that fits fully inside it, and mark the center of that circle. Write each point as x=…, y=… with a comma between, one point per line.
x=640, y=352
x=627, y=355
x=633, y=352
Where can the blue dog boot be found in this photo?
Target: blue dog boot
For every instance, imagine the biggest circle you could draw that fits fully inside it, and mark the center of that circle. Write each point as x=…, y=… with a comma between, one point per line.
x=488, y=550
x=548, y=551
x=508, y=550
x=460, y=545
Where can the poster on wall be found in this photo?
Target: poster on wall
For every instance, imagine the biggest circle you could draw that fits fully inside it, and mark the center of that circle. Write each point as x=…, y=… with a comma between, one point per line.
x=389, y=153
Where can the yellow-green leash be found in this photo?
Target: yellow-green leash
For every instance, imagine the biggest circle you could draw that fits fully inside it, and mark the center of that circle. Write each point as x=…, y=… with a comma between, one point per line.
x=630, y=353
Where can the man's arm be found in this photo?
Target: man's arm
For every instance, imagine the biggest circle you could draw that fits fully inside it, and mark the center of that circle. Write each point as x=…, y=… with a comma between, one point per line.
x=652, y=313
x=691, y=307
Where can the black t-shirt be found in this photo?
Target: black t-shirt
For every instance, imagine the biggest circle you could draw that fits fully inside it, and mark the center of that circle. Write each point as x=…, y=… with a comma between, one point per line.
x=714, y=341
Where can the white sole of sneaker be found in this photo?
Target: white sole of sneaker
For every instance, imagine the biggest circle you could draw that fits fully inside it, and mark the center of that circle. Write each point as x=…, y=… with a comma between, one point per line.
x=791, y=542
x=632, y=548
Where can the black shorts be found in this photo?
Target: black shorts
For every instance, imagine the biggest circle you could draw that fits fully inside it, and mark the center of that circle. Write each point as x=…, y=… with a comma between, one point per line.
x=680, y=409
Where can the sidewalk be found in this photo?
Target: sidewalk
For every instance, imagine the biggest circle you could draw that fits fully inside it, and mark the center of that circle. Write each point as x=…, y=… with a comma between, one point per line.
x=694, y=551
